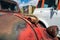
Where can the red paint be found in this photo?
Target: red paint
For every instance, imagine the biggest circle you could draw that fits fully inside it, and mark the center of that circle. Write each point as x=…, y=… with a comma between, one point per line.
x=29, y=34
x=58, y=5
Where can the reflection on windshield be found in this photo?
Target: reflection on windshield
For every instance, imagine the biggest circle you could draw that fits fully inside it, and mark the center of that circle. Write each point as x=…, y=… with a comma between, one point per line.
x=8, y=6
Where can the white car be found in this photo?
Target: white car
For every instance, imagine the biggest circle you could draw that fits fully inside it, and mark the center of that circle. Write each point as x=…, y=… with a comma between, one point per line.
x=48, y=17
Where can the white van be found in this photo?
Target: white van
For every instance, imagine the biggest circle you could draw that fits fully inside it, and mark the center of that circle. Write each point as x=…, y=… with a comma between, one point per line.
x=48, y=16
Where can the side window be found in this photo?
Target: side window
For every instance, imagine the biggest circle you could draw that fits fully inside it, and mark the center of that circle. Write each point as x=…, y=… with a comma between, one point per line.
x=48, y=3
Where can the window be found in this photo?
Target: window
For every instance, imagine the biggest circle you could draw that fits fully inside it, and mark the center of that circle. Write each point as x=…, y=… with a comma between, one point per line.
x=48, y=3
x=7, y=6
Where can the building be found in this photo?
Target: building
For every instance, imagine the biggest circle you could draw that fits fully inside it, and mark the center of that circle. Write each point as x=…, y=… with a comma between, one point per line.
x=28, y=9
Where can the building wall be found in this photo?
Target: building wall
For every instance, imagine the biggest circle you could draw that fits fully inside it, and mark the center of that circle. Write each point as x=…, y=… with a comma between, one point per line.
x=27, y=9
x=30, y=9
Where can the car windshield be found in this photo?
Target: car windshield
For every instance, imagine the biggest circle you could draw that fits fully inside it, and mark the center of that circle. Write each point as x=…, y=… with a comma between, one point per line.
x=8, y=6
x=48, y=3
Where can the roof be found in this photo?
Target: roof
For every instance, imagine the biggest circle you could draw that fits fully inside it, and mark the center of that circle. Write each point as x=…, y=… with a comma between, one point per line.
x=9, y=1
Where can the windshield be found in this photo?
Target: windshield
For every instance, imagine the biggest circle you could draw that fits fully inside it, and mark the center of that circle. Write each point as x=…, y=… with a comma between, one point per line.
x=8, y=6
x=48, y=3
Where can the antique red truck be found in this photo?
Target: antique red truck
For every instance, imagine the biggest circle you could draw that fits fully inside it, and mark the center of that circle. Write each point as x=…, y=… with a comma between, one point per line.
x=16, y=26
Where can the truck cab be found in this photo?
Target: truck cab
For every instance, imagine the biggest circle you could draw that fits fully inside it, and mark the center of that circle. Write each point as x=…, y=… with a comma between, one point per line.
x=48, y=12
x=9, y=22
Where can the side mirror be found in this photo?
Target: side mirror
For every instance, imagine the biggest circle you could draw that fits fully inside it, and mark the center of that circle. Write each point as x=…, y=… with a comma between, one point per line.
x=52, y=30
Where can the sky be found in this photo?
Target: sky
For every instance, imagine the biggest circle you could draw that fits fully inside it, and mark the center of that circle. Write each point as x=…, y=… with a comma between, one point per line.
x=26, y=2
